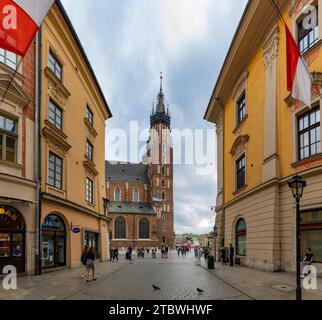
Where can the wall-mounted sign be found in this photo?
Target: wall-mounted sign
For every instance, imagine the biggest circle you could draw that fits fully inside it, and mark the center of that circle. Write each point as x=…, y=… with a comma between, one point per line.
x=76, y=230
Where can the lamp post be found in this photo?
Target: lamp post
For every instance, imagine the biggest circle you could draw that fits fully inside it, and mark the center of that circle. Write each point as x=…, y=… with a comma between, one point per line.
x=297, y=184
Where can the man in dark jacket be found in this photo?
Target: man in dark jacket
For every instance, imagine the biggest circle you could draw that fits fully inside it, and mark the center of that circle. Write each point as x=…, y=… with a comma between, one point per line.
x=231, y=255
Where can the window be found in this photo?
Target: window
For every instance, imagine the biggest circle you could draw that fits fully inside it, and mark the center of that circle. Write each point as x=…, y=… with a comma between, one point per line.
x=163, y=171
x=136, y=196
x=89, y=191
x=120, y=228
x=309, y=138
x=89, y=115
x=8, y=58
x=163, y=183
x=55, y=115
x=144, y=229
x=163, y=218
x=164, y=196
x=241, y=238
x=55, y=66
x=241, y=105
x=311, y=233
x=307, y=38
x=8, y=139
x=55, y=171
x=241, y=172
x=89, y=151
x=117, y=194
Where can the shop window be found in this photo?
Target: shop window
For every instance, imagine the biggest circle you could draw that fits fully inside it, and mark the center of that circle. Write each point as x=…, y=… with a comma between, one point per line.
x=120, y=228
x=309, y=134
x=311, y=233
x=8, y=139
x=307, y=37
x=144, y=229
x=12, y=238
x=241, y=237
x=92, y=241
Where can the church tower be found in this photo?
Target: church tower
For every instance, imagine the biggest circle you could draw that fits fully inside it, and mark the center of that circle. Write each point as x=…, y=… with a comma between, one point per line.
x=160, y=154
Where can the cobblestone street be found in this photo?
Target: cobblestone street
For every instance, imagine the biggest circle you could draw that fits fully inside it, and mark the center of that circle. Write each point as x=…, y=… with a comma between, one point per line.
x=178, y=278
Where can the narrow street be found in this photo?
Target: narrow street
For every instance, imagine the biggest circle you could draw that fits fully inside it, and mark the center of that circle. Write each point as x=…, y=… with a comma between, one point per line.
x=177, y=277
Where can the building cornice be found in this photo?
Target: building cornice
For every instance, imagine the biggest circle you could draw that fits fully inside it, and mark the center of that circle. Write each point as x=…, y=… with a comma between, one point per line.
x=257, y=21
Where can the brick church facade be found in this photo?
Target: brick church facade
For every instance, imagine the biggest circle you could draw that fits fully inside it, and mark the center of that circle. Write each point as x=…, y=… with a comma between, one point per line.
x=140, y=196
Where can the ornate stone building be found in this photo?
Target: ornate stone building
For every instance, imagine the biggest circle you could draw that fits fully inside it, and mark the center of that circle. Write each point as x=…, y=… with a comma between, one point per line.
x=264, y=138
x=140, y=196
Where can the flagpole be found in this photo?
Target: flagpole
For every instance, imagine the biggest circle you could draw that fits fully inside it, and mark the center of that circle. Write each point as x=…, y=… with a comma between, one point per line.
x=10, y=82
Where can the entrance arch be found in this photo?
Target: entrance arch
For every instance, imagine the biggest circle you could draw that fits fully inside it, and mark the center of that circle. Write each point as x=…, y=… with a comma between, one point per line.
x=53, y=242
x=12, y=238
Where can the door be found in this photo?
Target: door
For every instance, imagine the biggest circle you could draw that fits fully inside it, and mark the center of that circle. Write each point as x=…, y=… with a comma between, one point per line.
x=60, y=251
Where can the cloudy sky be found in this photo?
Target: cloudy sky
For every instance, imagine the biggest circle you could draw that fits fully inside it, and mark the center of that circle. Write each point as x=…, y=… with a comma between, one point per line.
x=129, y=42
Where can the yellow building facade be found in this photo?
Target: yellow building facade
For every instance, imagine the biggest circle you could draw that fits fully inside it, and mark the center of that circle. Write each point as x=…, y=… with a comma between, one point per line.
x=74, y=112
x=264, y=138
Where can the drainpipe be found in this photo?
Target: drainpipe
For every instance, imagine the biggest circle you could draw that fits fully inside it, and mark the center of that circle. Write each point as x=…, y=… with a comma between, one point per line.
x=37, y=165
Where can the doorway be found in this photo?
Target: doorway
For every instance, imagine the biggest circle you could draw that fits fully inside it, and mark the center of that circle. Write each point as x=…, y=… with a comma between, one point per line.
x=53, y=242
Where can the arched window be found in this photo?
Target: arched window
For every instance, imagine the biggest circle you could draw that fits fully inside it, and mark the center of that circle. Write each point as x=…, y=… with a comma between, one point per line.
x=241, y=237
x=120, y=228
x=117, y=194
x=163, y=171
x=164, y=196
x=136, y=195
x=163, y=183
x=144, y=229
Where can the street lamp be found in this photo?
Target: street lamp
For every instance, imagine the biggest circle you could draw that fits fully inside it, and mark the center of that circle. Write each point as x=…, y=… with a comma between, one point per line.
x=297, y=184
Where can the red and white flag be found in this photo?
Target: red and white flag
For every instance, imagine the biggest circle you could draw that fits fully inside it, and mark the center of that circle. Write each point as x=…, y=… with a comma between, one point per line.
x=299, y=79
x=19, y=23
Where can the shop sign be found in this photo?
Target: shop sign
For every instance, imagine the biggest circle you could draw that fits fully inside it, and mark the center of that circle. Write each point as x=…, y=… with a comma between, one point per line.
x=76, y=230
x=8, y=213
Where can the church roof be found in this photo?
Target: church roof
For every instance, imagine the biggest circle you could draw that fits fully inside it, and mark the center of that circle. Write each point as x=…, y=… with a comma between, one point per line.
x=130, y=207
x=126, y=172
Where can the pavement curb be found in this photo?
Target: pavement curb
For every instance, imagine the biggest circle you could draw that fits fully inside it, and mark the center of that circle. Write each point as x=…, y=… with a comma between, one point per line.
x=229, y=283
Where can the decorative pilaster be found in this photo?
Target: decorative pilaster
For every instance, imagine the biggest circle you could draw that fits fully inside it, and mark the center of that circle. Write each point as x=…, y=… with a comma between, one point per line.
x=270, y=157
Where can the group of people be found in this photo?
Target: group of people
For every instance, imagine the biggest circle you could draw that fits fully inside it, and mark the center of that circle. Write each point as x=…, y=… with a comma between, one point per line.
x=141, y=253
x=227, y=255
x=183, y=251
x=87, y=259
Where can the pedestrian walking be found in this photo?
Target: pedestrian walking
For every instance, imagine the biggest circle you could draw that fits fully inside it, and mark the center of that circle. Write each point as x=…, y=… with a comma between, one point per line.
x=116, y=254
x=223, y=256
x=166, y=251
x=89, y=262
x=231, y=255
x=308, y=260
x=111, y=253
x=83, y=257
x=153, y=254
x=130, y=253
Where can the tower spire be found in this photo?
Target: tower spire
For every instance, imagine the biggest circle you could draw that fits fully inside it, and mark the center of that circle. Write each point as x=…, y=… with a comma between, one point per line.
x=161, y=80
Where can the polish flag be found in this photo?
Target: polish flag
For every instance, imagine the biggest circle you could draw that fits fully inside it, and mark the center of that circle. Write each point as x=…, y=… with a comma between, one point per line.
x=299, y=79
x=19, y=23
